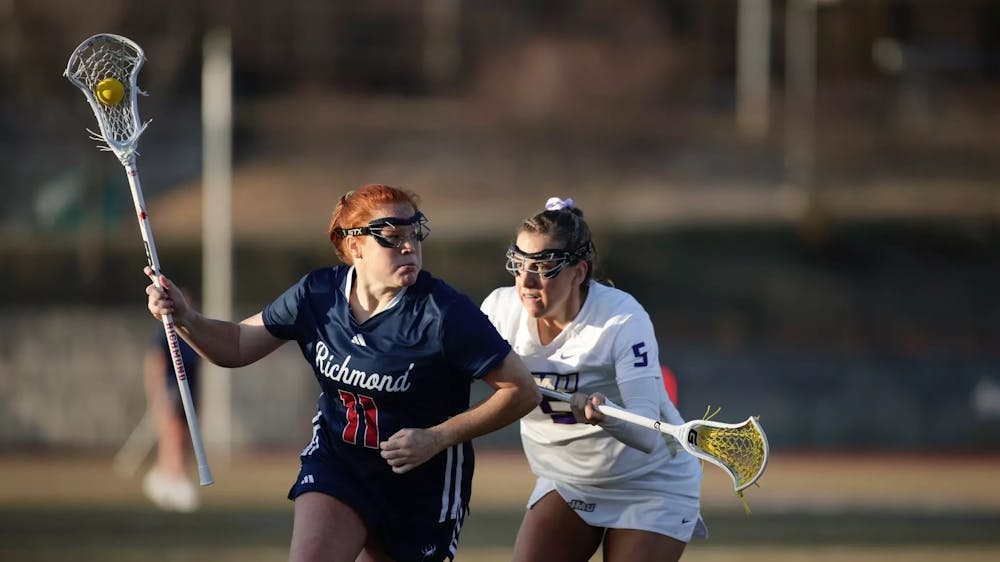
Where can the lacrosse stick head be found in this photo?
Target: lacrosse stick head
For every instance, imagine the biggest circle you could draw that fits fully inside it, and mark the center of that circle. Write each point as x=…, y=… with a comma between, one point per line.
x=739, y=449
x=105, y=68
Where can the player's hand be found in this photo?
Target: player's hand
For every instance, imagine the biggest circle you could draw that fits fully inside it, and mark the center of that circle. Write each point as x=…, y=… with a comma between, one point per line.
x=409, y=448
x=585, y=408
x=166, y=299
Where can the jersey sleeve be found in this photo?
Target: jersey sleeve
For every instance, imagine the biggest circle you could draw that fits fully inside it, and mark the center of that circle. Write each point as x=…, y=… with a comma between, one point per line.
x=503, y=309
x=491, y=308
x=640, y=396
x=635, y=350
x=281, y=316
x=490, y=304
x=469, y=340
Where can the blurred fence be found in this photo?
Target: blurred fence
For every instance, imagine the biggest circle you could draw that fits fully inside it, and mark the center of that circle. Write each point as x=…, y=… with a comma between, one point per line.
x=872, y=338
x=72, y=378
x=848, y=402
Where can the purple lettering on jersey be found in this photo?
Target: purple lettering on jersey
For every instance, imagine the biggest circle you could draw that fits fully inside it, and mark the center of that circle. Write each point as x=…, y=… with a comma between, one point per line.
x=557, y=409
x=563, y=382
x=642, y=357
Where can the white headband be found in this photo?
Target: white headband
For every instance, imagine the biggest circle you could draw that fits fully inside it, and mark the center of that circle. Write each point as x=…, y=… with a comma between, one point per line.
x=557, y=204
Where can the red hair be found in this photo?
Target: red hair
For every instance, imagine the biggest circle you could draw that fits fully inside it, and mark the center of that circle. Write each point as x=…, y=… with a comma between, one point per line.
x=356, y=208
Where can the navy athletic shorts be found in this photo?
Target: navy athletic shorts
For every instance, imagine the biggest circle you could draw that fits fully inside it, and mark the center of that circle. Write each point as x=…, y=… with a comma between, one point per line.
x=415, y=516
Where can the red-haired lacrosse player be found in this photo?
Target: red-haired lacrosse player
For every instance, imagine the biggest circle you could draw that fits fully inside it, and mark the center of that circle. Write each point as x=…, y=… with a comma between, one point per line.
x=601, y=481
x=387, y=472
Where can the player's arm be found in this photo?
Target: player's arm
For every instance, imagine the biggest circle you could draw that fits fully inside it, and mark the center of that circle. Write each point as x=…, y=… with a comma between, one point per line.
x=229, y=344
x=515, y=394
x=637, y=372
x=225, y=343
x=641, y=396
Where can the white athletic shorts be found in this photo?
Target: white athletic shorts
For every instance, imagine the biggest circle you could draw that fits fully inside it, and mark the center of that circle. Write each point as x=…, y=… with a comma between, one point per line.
x=637, y=507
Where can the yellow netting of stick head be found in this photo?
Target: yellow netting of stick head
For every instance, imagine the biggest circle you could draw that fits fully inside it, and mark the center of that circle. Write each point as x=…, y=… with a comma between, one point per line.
x=741, y=449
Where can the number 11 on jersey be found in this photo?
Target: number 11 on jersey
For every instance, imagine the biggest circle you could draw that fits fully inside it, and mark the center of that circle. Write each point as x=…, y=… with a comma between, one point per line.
x=351, y=402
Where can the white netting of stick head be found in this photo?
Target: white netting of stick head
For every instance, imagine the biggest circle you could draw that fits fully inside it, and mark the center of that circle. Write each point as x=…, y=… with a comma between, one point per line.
x=110, y=56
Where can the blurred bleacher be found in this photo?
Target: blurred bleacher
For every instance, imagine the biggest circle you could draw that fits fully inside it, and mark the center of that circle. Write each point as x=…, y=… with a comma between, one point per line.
x=872, y=288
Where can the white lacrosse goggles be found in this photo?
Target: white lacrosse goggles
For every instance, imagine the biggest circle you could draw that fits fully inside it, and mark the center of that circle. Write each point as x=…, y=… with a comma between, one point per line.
x=393, y=232
x=547, y=263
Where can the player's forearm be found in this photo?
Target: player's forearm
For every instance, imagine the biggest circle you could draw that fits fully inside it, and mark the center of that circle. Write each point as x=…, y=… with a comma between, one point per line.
x=217, y=341
x=503, y=407
x=635, y=436
x=642, y=397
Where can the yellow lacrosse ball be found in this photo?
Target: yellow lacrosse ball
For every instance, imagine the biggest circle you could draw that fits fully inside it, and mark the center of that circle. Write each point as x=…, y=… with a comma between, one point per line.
x=109, y=91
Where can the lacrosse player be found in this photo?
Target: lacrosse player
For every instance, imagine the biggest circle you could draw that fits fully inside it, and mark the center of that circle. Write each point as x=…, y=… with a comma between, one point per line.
x=387, y=474
x=600, y=481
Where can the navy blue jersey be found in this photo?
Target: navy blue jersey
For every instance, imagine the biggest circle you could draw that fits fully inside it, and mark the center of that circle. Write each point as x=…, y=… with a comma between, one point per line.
x=409, y=366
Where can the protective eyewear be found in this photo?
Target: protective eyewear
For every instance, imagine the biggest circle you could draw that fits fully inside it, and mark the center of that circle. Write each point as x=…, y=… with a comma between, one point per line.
x=547, y=263
x=393, y=232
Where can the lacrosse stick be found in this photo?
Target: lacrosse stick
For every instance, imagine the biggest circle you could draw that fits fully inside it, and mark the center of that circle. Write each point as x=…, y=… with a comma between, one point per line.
x=738, y=449
x=105, y=68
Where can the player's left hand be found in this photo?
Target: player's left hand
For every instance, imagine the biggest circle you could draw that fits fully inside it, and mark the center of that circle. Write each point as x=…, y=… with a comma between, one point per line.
x=409, y=448
x=585, y=408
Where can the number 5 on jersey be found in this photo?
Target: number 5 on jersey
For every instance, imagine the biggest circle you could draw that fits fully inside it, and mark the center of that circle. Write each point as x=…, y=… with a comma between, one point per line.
x=351, y=403
x=642, y=357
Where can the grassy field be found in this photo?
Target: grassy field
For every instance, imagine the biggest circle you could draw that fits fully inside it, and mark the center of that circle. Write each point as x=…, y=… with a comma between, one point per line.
x=808, y=507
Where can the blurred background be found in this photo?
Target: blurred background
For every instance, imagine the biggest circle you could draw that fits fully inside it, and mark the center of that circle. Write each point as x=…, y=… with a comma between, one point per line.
x=802, y=193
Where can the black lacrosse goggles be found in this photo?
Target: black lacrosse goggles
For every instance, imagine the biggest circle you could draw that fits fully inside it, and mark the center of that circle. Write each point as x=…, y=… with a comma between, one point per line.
x=547, y=263
x=393, y=232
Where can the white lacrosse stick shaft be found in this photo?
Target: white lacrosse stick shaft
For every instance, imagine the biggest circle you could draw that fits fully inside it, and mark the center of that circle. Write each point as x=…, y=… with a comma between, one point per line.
x=683, y=434
x=204, y=472
x=676, y=431
x=108, y=57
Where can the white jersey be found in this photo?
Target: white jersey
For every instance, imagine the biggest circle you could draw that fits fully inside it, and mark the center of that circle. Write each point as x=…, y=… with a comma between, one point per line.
x=610, y=341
